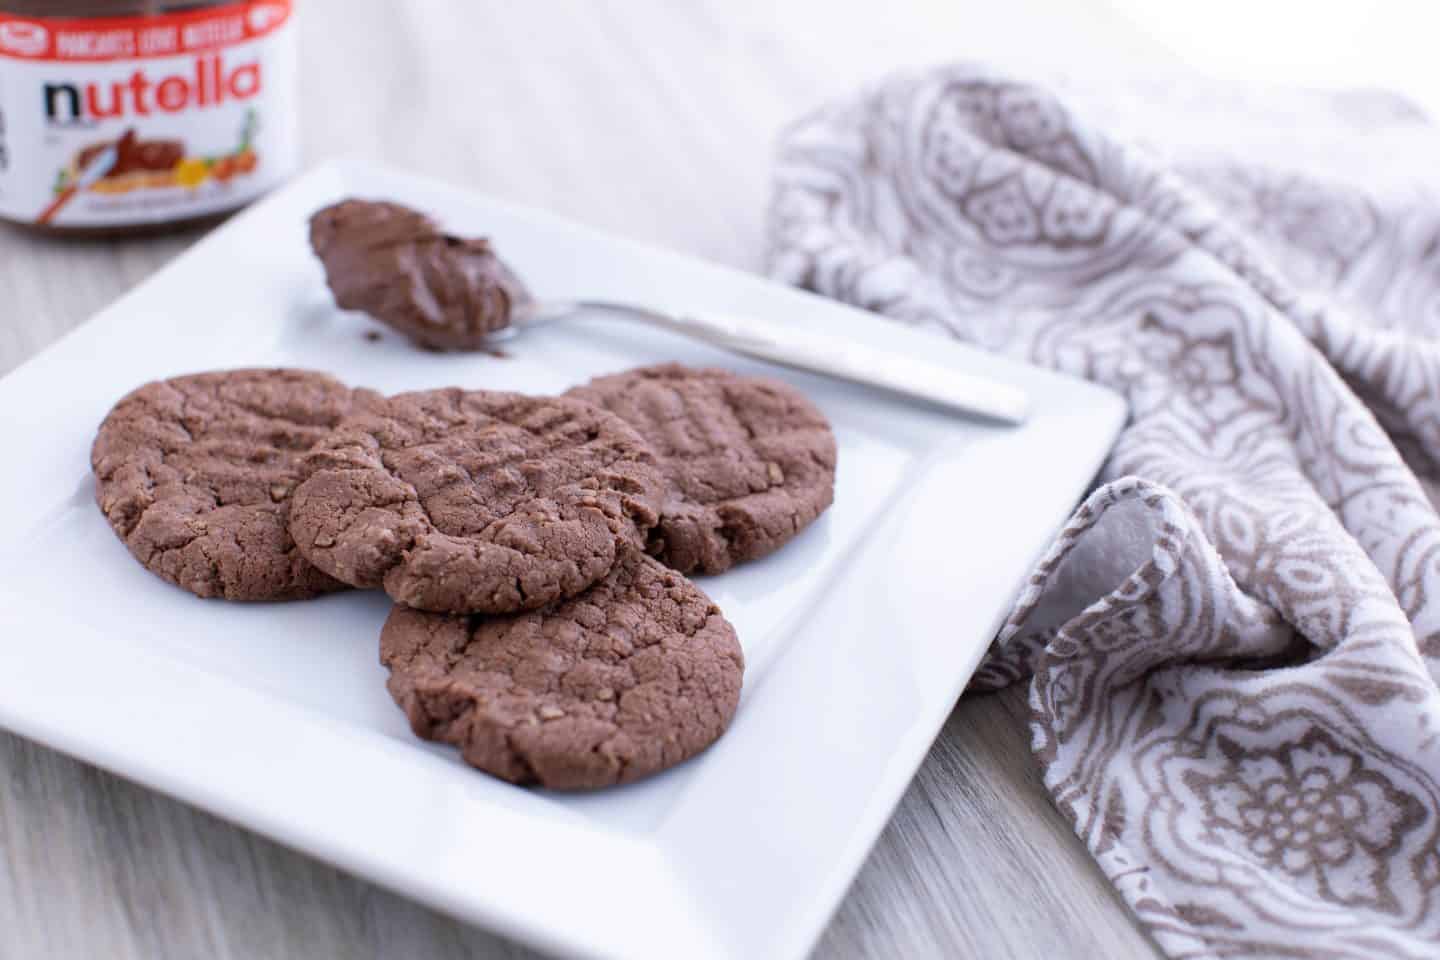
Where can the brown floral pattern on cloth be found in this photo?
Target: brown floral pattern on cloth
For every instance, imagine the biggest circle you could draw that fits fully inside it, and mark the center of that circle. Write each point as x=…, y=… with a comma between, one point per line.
x=1232, y=649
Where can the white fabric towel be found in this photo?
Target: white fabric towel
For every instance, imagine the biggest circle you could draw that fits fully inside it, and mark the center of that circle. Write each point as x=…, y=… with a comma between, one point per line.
x=1232, y=650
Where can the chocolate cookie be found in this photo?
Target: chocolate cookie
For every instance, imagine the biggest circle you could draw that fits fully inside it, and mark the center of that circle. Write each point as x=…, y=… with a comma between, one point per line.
x=635, y=675
x=476, y=502
x=195, y=476
x=443, y=291
x=749, y=461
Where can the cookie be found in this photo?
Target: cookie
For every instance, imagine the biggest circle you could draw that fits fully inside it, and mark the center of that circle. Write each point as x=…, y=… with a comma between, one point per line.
x=443, y=291
x=476, y=502
x=750, y=462
x=635, y=675
x=195, y=476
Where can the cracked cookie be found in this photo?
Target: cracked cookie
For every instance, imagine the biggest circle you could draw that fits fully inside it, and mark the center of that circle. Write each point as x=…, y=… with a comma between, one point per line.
x=635, y=675
x=476, y=502
x=195, y=476
x=442, y=291
x=749, y=462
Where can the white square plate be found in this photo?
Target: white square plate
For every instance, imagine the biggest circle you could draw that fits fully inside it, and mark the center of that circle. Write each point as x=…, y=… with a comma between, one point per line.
x=858, y=636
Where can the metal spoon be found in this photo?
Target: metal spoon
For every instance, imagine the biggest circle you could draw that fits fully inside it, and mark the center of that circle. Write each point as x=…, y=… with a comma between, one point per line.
x=895, y=372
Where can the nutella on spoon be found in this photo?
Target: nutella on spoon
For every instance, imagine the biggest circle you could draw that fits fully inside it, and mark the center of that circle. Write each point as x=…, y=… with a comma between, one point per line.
x=452, y=293
x=443, y=291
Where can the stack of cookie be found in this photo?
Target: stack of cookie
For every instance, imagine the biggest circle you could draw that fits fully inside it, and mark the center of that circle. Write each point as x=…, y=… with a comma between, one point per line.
x=535, y=546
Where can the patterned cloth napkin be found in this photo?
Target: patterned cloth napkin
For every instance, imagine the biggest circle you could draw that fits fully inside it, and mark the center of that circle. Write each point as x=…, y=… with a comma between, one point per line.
x=1232, y=649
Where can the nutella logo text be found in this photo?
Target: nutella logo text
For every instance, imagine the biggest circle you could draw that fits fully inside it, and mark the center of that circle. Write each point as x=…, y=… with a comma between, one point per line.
x=211, y=83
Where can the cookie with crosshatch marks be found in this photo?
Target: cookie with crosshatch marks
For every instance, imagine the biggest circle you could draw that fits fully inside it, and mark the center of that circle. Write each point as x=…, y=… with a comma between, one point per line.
x=476, y=501
x=636, y=674
x=195, y=476
x=749, y=461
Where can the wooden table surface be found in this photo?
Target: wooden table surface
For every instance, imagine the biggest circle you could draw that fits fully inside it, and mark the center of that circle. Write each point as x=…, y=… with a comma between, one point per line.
x=648, y=118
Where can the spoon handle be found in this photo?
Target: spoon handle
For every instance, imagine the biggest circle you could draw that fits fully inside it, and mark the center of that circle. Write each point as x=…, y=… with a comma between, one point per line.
x=906, y=375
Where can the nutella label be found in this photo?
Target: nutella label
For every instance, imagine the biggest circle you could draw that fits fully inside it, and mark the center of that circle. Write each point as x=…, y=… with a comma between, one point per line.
x=125, y=120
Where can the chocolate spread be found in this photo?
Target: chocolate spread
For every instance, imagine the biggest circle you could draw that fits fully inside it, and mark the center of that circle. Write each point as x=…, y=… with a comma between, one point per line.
x=133, y=155
x=443, y=291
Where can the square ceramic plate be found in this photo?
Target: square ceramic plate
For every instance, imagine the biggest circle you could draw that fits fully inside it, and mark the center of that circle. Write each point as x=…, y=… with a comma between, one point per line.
x=858, y=636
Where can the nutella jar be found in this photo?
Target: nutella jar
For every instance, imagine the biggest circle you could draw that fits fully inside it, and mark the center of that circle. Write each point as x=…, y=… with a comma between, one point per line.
x=117, y=115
